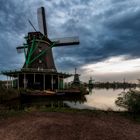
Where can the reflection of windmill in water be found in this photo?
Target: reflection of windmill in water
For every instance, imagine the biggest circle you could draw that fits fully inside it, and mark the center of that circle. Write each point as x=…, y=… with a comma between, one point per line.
x=39, y=69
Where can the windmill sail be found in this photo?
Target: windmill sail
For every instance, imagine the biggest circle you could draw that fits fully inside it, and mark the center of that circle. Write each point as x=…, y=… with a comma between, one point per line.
x=42, y=20
x=66, y=41
x=48, y=58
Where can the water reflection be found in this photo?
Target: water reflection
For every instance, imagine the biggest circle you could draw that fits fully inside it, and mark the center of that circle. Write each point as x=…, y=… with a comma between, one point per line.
x=103, y=99
x=59, y=101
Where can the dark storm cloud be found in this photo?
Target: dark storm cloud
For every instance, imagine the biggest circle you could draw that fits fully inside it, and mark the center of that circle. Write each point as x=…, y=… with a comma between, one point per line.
x=10, y=27
x=110, y=30
x=14, y=17
x=105, y=28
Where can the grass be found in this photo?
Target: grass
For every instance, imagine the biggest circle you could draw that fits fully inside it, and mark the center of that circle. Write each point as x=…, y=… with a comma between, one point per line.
x=4, y=114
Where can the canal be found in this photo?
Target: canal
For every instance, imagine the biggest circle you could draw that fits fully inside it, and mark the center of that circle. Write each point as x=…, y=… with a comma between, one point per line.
x=100, y=99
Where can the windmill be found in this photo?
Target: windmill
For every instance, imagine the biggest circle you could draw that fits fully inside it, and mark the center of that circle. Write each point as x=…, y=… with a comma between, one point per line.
x=76, y=80
x=38, y=47
x=39, y=71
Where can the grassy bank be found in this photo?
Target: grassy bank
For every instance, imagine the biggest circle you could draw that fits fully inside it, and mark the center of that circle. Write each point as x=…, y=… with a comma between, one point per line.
x=16, y=113
x=8, y=94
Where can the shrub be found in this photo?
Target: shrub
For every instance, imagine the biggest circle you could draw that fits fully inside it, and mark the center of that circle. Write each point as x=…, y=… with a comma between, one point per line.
x=129, y=100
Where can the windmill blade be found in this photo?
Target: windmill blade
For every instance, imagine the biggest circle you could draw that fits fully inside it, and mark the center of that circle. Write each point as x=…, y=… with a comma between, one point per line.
x=42, y=20
x=58, y=42
x=66, y=41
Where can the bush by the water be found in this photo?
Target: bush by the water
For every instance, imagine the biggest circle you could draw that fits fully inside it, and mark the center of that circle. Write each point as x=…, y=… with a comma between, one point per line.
x=130, y=100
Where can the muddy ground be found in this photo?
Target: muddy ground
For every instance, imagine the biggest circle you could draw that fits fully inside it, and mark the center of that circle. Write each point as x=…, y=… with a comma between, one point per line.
x=69, y=126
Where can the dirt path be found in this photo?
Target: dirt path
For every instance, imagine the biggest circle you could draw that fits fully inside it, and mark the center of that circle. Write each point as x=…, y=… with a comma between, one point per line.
x=68, y=126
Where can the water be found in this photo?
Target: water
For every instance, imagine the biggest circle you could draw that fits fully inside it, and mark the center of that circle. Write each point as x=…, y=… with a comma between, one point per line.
x=102, y=99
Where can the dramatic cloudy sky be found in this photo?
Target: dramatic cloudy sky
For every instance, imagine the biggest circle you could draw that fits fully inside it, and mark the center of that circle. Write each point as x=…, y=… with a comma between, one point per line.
x=109, y=33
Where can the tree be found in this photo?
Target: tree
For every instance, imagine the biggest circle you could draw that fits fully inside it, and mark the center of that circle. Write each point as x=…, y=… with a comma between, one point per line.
x=130, y=100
